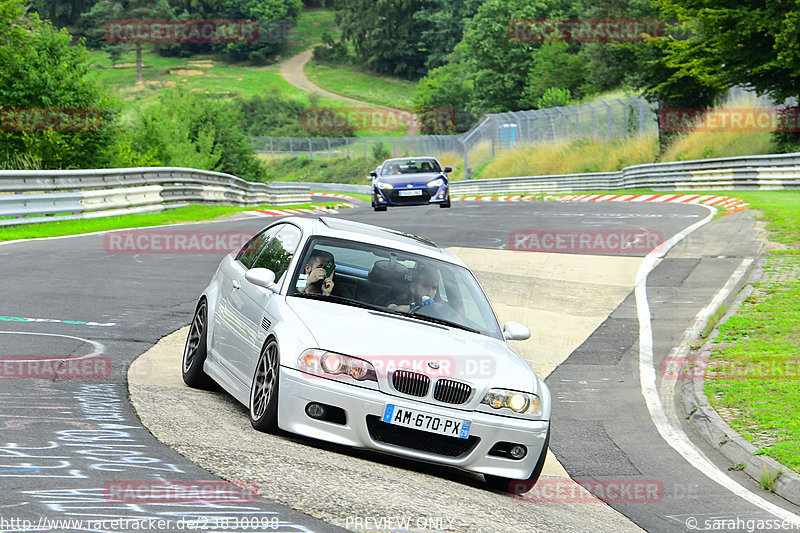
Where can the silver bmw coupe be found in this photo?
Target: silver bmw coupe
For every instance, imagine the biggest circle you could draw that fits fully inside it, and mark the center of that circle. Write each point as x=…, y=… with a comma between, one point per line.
x=372, y=338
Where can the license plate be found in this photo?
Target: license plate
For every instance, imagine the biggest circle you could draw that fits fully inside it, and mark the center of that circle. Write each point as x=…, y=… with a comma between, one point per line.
x=412, y=418
x=412, y=192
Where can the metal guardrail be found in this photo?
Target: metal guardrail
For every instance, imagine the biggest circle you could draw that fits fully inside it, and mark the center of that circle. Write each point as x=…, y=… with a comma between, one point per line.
x=733, y=173
x=37, y=196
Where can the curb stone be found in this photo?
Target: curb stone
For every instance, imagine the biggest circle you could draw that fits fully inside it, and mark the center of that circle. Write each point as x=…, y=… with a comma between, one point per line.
x=705, y=420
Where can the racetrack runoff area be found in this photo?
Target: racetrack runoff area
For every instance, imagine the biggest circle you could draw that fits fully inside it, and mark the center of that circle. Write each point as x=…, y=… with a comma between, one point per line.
x=562, y=298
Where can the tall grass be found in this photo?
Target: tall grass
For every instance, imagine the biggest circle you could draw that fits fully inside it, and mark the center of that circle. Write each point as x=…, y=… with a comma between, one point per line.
x=706, y=143
x=580, y=155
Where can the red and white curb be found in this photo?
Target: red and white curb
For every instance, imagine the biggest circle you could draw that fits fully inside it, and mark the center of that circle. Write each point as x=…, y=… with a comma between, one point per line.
x=336, y=195
x=731, y=205
x=494, y=199
x=284, y=212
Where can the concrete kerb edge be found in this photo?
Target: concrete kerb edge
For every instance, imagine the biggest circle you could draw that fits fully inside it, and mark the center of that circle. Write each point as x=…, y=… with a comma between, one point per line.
x=709, y=425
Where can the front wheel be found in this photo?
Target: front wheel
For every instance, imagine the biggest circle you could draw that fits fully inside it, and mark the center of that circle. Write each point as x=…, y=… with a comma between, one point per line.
x=194, y=353
x=264, y=391
x=520, y=486
x=445, y=204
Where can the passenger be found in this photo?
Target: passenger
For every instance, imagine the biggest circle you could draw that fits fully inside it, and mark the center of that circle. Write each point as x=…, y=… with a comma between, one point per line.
x=318, y=277
x=426, y=167
x=423, y=287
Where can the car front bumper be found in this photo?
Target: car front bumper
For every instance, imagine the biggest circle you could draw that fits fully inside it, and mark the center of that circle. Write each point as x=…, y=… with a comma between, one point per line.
x=429, y=196
x=298, y=389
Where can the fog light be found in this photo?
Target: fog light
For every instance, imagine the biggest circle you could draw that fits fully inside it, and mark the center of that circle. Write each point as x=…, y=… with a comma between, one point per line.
x=315, y=410
x=517, y=452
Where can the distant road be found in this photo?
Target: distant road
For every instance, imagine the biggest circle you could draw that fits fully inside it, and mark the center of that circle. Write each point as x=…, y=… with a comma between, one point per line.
x=292, y=71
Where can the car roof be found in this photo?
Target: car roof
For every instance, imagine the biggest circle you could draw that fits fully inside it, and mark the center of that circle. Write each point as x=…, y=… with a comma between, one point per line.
x=395, y=160
x=357, y=231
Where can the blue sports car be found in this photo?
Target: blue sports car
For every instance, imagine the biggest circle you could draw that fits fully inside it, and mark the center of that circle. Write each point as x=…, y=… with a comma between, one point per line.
x=410, y=181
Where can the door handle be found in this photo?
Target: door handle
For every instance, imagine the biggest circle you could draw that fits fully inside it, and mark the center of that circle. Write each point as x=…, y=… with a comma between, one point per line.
x=237, y=284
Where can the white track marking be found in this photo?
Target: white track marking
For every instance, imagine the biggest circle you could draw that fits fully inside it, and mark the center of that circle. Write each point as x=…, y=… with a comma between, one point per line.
x=669, y=430
x=99, y=348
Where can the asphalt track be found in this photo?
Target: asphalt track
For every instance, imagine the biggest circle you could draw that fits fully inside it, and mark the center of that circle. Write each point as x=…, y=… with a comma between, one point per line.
x=63, y=441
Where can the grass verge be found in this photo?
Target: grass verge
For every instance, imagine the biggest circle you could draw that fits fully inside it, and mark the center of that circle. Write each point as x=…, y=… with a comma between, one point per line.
x=754, y=369
x=359, y=84
x=192, y=213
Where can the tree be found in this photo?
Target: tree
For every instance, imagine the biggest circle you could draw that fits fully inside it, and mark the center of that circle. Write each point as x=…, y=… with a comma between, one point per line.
x=751, y=42
x=104, y=11
x=554, y=66
x=445, y=91
x=53, y=111
x=440, y=26
x=384, y=34
x=271, y=15
x=62, y=13
x=497, y=64
x=193, y=130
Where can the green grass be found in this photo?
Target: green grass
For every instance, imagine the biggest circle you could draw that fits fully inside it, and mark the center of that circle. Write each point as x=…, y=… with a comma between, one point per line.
x=755, y=369
x=322, y=170
x=198, y=73
x=354, y=82
x=192, y=213
x=782, y=211
x=311, y=24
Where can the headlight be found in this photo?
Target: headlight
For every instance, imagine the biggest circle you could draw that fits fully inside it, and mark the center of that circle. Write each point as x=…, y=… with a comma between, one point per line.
x=436, y=183
x=385, y=186
x=523, y=403
x=335, y=365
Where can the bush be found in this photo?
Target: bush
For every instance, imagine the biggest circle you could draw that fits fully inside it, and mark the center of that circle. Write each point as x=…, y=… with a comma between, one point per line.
x=553, y=97
x=192, y=130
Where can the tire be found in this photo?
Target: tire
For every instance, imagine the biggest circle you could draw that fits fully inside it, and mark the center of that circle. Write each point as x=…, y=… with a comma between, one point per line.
x=445, y=204
x=516, y=487
x=380, y=208
x=264, y=390
x=194, y=352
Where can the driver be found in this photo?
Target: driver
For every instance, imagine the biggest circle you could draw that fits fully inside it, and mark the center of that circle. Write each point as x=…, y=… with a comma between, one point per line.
x=316, y=279
x=423, y=287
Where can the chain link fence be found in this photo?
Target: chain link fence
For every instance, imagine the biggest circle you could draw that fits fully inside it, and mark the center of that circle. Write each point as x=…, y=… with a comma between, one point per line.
x=603, y=120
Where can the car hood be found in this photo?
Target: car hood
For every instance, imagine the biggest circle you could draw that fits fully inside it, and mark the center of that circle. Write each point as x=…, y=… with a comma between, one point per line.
x=391, y=341
x=415, y=179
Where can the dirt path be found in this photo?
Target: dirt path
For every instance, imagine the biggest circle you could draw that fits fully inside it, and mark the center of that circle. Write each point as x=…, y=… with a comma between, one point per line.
x=291, y=70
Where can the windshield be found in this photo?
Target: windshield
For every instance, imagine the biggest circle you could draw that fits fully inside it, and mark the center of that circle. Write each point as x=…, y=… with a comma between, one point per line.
x=391, y=281
x=410, y=166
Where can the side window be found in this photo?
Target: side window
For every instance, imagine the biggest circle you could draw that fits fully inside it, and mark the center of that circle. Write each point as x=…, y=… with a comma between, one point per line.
x=249, y=252
x=278, y=253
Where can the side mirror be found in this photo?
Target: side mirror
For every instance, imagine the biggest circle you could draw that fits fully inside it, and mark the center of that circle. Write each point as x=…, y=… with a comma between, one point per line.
x=373, y=173
x=262, y=277
x=514, y=331
x=448, y=169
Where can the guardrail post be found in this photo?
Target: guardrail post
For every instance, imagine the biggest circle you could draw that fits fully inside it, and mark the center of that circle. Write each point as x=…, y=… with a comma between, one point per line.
x=330, y=152
x=493, y=132
x=608, y=116
x=347, y=143
x=310, y=149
